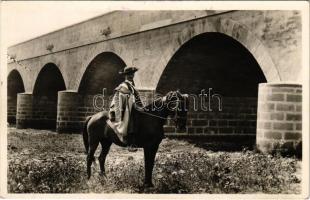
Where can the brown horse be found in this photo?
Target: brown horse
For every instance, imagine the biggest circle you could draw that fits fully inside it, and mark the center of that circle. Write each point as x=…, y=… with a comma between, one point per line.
x=148, y=131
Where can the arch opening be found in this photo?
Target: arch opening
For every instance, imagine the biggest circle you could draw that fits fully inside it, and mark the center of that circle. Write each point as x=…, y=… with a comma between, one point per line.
x=45, y=92
x=213, y=60
x=15, y=85
x=102, y=72
x=216, y=61
x=100, y=78
x=96, y=86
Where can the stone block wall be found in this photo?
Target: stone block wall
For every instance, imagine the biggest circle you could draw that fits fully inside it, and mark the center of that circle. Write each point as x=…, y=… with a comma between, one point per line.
x=237, y=117
x=24, y=110
x=279, y=119
x=73, y=109
x=44, y=112
x=11, y=109
x=36, y=111
x=70, y=112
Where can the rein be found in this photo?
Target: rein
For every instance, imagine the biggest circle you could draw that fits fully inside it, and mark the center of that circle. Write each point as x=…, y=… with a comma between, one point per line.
x=154, y=115
x=157, y=116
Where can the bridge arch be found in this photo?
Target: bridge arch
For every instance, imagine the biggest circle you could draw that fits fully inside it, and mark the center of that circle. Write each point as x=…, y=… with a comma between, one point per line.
x=75, y=105
x=49, y=81
x=102, y=72
x=15, y=85
x=100, y=78
x=215, y=60
x=220, y=62
x=231, y=28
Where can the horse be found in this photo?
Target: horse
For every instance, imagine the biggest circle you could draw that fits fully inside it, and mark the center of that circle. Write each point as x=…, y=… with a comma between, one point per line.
x=148, y=131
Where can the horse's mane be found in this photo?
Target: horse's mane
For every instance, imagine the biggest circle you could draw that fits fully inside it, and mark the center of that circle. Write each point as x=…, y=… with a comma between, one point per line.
x=155, y=102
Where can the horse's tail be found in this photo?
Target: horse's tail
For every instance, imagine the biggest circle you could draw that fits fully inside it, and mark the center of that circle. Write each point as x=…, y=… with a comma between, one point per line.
x=85, y=134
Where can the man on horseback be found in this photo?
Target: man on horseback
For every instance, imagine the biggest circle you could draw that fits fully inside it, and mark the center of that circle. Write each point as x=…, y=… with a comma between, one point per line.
x=125, y=97
x=149, y=130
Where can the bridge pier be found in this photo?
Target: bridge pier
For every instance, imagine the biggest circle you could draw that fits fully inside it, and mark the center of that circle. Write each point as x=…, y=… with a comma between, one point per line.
x=35, y=111
x=74, y=107
x=279, y=117
x=24, y=117
x=70, y=115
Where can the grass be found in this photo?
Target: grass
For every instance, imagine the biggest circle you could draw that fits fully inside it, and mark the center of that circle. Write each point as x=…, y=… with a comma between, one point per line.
x=45, y=162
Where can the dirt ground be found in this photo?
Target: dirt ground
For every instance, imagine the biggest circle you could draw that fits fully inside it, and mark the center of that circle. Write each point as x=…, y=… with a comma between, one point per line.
x=42, y=161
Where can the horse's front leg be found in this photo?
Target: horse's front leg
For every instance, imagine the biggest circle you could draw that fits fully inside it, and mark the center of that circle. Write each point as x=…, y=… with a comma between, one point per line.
x=104, y=152
x=149, y=157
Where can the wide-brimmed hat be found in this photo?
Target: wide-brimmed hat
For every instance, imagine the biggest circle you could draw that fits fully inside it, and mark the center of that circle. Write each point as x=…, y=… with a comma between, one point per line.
x=128, y=70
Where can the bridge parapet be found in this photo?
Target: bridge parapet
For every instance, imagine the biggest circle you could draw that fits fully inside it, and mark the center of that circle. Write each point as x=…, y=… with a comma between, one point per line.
x=102, y=28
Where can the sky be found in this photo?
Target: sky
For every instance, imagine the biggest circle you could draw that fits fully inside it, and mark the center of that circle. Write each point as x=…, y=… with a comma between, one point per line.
x=26, y=20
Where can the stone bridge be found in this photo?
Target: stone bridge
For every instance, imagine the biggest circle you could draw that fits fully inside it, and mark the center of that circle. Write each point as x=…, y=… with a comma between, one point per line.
x=52, y=79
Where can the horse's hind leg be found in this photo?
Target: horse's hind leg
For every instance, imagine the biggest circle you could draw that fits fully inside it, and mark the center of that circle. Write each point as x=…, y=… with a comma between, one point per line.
x=104, y=152
x=90, y=156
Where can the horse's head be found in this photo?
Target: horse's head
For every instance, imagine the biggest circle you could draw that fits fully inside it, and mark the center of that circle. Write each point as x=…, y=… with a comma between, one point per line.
x=177, y=105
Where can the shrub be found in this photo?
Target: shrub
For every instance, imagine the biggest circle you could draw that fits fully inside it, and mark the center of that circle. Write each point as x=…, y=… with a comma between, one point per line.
x=52, y=175
x=288, y=149
x=180, y=167
x=224, y=173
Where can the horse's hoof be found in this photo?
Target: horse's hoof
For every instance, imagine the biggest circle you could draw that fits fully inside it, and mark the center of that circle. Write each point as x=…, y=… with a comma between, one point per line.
x=148, y=185
x=147, y=188
x=132, y=149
